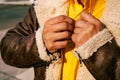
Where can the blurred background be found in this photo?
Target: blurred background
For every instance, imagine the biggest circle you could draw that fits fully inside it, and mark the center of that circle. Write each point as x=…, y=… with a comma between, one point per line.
x=12, y=12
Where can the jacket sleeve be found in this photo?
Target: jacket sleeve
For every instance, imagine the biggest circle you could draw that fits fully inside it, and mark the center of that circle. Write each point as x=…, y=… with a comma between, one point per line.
x=101, y=55
x=105, y=63
x=18, y=47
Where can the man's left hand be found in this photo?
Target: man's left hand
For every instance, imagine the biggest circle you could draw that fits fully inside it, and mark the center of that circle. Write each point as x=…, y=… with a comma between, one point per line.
x=85, y=28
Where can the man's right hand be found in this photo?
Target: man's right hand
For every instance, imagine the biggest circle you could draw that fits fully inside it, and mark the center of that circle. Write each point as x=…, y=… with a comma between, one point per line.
x=57, y=32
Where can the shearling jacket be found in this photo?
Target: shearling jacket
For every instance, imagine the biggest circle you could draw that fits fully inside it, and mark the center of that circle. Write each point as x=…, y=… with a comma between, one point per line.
x=23, y=47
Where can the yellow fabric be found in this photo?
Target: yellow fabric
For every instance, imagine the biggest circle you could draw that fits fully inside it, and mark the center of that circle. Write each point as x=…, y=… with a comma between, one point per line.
x=71, y=64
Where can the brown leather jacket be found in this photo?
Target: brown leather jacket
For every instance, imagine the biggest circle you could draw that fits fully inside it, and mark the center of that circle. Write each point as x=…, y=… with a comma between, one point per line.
x=18, y=48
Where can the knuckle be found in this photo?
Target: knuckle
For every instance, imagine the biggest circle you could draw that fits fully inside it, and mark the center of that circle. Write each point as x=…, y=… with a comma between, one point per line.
x=49, y=39
x=65, y=43
x=77, y=39
x=98, y=23
x=67, y=34
x=91, y=27
x=47, y=28
x=73, y=38
x=46, y=38
x=65, y=25
x=50, y=46
x=62, y=17
x=45, y=31
x=72, y=21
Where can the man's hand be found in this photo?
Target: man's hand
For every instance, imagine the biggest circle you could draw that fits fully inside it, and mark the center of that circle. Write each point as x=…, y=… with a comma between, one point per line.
x=85, y=27
x=57, y=32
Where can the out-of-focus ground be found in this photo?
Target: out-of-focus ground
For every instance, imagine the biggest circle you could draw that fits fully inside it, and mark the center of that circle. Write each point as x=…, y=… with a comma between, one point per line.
x=9, y=17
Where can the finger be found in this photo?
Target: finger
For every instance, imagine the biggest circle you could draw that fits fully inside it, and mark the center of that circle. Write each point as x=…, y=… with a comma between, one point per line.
x=59, y=19
x=61, y=36
x=88, y=17
x=54, y=46
x=77, y=30
x=62, y=44
x=74, y=38
x=80, y=24
x=63, y=26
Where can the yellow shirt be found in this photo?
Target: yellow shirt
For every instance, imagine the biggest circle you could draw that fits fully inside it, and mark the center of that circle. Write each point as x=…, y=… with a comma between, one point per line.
x=71, y=64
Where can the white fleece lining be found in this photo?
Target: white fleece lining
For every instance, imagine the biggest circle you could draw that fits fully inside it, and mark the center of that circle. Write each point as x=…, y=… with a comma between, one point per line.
x=91, y=46
x=41, y=47
x=111, y=18
x=54, y=70
x=84, y=74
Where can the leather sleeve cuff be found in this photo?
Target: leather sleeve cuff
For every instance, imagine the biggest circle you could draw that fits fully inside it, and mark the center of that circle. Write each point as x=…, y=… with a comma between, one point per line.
x=94, y=43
